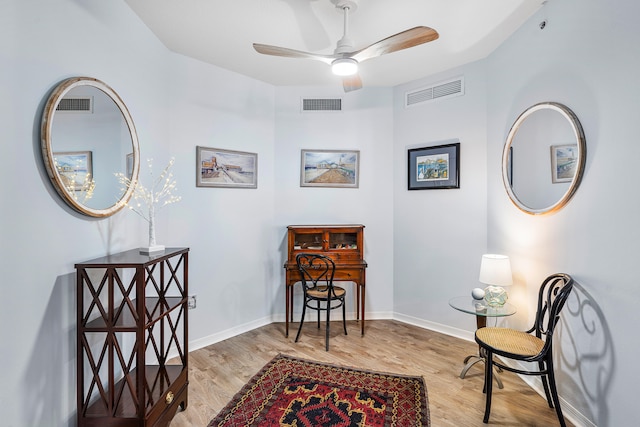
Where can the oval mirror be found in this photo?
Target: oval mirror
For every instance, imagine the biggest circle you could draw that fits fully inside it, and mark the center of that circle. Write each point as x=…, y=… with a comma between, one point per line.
x=543, y=158
x=87, y=137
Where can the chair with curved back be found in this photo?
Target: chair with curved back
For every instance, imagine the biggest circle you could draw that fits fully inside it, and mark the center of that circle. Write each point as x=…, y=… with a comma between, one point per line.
x=533, y=345
x=316, y=272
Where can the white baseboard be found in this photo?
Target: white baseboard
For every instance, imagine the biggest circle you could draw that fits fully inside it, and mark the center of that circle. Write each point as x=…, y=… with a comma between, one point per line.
x=433, y=326
x=228, y=333
x=569, y=412
x=246, y=327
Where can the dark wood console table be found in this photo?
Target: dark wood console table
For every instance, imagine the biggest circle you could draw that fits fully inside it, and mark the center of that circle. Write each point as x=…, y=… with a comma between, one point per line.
x=343, y=243
x=132, y=350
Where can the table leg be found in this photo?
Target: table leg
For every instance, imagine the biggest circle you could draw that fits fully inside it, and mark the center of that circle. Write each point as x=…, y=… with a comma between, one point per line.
x=357, y=301
x=362, y=289
x=481, y=322
x=291, y=292
x=288, y=307
x=472, y=360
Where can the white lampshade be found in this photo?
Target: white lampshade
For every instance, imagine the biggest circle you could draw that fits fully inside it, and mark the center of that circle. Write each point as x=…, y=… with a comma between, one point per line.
x=496, y=270
x=344, y=67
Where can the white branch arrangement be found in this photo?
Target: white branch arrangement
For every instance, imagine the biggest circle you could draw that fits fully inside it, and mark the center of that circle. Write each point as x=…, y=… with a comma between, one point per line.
x=146, y=202
x=82, y=192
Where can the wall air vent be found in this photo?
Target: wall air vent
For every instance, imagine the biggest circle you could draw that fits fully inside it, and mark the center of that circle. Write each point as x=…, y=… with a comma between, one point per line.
x=76, y=105
x=443, y=90
x=325, y=104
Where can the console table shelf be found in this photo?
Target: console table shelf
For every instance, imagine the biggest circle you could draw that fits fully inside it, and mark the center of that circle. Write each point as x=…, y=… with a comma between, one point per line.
x=132, y=338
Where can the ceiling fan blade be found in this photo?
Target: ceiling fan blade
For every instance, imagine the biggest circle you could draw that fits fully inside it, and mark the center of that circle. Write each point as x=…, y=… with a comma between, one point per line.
x=350, y=83
x=291, y=53
x=404, y=40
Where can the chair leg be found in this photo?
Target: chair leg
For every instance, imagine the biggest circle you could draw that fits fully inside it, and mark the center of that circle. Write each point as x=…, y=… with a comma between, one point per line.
x=482, y=354
x=328, y=323
x=554, y=390
x=488, y=383
x=304, y=310
x=545, y=382
x=318, y=311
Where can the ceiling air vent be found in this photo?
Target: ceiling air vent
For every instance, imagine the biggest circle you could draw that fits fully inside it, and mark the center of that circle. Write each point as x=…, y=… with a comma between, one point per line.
x=325, y=104
x=443, y=90
x=82, y=105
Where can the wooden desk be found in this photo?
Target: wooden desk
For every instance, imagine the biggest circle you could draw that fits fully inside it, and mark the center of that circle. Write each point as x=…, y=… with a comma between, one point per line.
x=342, y=243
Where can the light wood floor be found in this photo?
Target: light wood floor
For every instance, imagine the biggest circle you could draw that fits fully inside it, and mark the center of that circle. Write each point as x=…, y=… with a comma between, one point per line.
x=218, y=371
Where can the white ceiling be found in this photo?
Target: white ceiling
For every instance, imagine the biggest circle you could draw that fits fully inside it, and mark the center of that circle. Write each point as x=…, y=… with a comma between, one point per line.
x=221, y=32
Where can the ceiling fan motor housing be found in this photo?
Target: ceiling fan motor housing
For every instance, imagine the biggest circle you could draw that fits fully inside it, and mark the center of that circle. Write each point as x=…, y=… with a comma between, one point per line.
x=344, y=67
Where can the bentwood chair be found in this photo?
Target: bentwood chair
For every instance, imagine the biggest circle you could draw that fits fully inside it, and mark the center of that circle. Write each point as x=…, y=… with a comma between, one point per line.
x=316, y=272
x=533, y=345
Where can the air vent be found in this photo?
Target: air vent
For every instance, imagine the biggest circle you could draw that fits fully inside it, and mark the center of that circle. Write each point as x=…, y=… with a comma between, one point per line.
x=443, y=90
x=326, y=104
x=83, y=105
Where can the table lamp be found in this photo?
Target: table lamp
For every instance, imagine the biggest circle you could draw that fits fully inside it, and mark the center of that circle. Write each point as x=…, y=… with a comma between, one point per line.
x=495, y=271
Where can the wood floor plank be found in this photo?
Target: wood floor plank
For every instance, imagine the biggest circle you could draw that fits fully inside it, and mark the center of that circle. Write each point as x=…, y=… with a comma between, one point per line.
x=218, y=371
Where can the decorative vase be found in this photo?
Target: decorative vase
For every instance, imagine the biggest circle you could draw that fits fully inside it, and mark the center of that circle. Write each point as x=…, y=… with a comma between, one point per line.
x=495, y=296
x=153, y=247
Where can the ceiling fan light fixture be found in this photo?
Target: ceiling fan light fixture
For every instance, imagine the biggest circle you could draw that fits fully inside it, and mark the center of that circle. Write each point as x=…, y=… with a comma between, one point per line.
x=344, y=67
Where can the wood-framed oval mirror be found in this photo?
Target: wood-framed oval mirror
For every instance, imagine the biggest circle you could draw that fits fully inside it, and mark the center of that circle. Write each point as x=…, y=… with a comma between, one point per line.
x=544, y=158
x=88, y=136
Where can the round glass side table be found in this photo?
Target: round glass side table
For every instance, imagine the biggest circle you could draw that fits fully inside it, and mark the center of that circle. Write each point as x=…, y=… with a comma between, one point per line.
x=481, y=310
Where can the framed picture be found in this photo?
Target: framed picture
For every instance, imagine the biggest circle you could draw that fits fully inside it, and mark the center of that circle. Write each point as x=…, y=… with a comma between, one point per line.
x=216, y=167
x=564, y=159
x=75, y=168
x=330, y=168
x=434, y=167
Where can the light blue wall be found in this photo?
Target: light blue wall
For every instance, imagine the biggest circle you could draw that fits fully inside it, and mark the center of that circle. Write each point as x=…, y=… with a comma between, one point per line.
x=176, y=103
x=440, y=235
x=422, y=246
x=364, y=124
x=586, y=57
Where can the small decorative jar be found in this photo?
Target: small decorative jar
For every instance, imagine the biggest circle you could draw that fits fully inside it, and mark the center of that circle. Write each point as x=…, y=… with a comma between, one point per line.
x=495, y=296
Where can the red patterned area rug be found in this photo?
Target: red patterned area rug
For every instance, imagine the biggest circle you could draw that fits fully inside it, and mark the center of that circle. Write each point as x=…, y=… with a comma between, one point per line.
x=300, y=393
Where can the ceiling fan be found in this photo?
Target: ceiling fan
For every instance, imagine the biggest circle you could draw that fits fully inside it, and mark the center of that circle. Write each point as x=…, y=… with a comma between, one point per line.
x=344, y=61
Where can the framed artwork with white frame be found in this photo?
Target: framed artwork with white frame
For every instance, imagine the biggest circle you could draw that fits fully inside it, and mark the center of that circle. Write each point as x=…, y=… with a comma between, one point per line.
x=330, y=168
x=564, y=160
x=216, y=167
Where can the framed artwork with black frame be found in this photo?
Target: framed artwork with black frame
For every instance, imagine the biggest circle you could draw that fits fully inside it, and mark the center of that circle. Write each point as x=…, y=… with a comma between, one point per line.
x=436, y=167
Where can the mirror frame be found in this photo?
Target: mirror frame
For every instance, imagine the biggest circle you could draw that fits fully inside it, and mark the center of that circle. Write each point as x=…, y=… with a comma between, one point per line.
x=578, y=133
x=47, y=146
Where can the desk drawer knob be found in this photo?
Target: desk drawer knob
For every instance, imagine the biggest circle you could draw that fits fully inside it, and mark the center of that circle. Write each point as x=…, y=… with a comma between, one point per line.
x=169, y=398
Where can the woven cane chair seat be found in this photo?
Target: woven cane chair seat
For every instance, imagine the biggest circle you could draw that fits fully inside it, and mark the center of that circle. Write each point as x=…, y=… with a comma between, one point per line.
x=320, y=292
x=515, y=343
